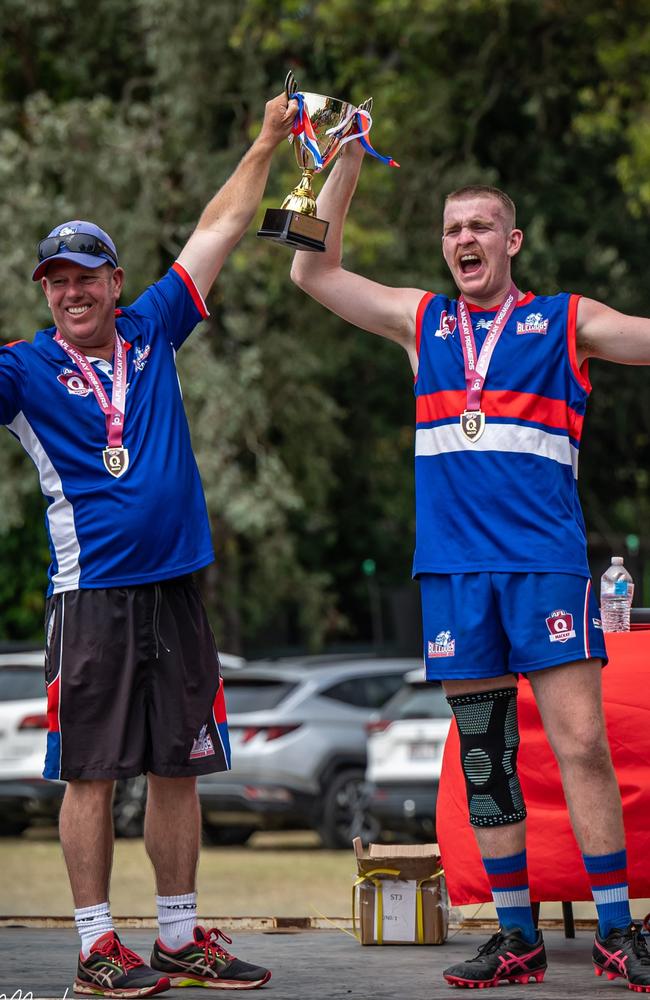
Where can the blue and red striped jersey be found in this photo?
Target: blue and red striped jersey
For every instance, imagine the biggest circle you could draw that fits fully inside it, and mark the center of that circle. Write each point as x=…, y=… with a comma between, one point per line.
x=151, y=523
x=507, y=501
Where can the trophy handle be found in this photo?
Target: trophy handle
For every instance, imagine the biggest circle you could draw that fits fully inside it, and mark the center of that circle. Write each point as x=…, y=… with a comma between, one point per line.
x=366, y=105
x=290, y=85
x=290, y=88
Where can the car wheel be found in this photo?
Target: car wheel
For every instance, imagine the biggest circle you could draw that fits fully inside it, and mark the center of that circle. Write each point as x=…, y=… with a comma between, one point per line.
x=129, y=805
x=13, y=827
x=227, y=836
x=344, y=811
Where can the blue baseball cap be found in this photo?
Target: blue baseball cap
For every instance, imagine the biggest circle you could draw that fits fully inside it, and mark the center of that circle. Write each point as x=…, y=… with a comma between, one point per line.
x=79, y=242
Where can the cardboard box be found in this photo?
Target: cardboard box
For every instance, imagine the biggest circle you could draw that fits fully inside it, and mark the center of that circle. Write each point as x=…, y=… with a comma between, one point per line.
x=399, y=895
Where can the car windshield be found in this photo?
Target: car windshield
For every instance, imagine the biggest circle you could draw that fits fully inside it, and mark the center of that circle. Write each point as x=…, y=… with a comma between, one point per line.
x=418, y=701
x=21, y=683
x=250, y=695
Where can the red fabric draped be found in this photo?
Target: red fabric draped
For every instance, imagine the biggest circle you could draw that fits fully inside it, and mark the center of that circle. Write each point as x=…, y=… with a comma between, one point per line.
x=554, y=861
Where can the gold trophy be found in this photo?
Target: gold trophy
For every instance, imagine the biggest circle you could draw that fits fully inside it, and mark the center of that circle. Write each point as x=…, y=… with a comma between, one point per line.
x=321, y=125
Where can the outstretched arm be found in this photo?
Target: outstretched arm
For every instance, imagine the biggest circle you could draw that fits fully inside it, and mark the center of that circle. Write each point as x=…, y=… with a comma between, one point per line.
x=390, y=312
x=227, y=216
x=602, y=332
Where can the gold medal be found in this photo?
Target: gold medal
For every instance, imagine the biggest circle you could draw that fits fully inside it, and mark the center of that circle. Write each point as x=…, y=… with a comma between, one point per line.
x=116, y=461
x=472, y=424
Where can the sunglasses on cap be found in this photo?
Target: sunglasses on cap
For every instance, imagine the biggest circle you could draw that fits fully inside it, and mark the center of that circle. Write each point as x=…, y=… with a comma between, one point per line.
x=77, y=243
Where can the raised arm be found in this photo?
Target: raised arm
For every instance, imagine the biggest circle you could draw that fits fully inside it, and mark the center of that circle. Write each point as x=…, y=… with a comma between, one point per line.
x=390, y=312
x=602, y=332
x=227, y=216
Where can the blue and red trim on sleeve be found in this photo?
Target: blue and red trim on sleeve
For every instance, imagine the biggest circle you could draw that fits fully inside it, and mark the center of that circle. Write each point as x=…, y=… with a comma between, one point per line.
x=581, y=373
x=195, y=294
x=419, y=318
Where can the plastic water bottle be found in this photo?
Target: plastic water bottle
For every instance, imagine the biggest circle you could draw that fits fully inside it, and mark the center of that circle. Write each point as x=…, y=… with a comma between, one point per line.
x=616, y=592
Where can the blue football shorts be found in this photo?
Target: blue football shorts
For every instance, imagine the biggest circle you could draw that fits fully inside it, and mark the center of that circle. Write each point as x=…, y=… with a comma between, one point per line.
x=490, y=624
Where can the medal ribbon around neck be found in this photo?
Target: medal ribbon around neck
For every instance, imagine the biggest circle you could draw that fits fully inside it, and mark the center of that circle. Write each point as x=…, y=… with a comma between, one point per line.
x=476, y=369
x=116, y=457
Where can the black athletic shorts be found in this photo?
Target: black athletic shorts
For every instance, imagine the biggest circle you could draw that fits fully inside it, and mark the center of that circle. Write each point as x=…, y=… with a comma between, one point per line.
x=133, y=683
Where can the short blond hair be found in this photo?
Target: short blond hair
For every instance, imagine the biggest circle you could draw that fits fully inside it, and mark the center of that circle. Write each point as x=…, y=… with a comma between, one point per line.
x=485, y=191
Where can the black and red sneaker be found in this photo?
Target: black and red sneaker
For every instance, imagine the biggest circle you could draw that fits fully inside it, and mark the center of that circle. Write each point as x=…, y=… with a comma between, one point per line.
x=203, y=962
x=624, y=953
x=506, y=957
x=111, y=970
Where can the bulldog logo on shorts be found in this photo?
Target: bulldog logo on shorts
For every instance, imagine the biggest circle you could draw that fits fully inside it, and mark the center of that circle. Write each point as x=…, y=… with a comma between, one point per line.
x=203, y=745
x=560, y=626
x=443, y=645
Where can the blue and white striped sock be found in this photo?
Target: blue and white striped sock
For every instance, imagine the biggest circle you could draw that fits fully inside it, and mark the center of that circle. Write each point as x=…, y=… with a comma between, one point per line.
x=608, y=881
x=508, y=879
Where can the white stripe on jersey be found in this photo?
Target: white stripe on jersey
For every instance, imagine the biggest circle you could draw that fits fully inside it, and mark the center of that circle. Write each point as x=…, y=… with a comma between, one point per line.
x=498, y=437
x=60, y=514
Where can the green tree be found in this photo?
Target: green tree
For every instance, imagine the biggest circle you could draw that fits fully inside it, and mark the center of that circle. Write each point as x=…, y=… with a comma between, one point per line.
x=302, y=425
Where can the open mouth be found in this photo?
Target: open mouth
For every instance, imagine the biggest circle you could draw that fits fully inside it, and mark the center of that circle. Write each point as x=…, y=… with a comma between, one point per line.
x=470, y=263
x=77, y=310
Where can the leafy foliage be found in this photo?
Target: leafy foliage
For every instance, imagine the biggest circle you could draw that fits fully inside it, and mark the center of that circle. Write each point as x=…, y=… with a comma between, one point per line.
x=302, y=426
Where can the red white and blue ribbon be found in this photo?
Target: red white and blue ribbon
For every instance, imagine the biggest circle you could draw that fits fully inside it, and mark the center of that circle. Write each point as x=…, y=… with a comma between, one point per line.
x=363, y=122
x=304, y=130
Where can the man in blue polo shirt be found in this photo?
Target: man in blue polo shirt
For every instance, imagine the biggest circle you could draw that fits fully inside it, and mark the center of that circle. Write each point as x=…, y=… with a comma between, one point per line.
x=132, y=669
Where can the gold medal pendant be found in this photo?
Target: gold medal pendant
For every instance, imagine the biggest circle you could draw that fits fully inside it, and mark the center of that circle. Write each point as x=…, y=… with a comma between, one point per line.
x=472, y=424
x=116, y=461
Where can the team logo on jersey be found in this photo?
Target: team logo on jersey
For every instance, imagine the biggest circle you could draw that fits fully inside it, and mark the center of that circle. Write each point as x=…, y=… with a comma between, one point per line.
x=74, y=382
x=560, y=626
x=141, y=357
x=597, y=623
x=534, y=323
x=203, y=745
x=443, y=645
x=447, y=325
x=484, y=324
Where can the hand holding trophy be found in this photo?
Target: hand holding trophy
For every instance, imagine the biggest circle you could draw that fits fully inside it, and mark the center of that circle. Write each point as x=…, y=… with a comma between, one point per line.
x=322, y=126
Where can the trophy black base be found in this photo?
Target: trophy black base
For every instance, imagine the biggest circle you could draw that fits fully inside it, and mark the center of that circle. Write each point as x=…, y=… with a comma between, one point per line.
x=301, y=232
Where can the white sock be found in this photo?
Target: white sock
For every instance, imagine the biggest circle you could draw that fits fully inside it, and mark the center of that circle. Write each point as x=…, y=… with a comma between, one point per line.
x=176, y=919
x=92, y=922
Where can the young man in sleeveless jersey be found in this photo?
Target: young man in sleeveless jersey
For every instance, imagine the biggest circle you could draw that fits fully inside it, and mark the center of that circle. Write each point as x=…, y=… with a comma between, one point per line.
x=132, y=669
x=501, y=389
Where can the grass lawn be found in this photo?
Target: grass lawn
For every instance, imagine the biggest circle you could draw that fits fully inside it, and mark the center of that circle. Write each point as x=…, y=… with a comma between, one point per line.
x=275, y=875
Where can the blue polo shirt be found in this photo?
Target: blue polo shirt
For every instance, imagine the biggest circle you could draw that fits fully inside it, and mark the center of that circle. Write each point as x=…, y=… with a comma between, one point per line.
x=152, y=523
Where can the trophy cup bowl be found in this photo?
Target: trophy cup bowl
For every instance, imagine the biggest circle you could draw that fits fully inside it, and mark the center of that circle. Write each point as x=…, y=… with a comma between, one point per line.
x=296, y=224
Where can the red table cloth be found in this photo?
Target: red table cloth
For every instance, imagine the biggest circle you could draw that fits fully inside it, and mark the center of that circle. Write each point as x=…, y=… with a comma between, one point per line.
x=554, y=862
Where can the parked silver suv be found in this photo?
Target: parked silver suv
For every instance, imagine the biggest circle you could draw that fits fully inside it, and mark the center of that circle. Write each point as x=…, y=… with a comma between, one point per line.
x=299, y=747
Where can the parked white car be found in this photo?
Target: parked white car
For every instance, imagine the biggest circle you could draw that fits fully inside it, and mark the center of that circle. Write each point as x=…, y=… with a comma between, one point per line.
x=405, y=747
x=24, y=794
